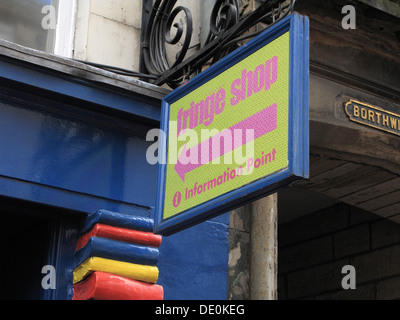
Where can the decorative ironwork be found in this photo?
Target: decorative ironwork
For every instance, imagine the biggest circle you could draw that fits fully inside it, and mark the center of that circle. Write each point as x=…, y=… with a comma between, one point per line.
x=230, y=26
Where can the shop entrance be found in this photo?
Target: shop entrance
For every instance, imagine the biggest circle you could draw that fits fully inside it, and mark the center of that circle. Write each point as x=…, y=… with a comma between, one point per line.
x=24, y=249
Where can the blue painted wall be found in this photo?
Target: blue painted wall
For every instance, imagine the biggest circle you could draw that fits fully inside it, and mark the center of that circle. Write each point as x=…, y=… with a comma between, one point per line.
x=194, y=263
x=66, y=160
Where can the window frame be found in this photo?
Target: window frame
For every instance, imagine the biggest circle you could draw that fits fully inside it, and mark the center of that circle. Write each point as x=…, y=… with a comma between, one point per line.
x=65, y=30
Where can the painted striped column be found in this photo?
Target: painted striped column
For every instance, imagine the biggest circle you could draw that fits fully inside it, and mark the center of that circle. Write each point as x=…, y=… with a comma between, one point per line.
x=116, y=259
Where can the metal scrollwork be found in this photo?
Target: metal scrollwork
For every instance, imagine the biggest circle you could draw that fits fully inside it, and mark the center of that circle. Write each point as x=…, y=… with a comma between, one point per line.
x=224, y=16
x=158, y=34
x=229, y=28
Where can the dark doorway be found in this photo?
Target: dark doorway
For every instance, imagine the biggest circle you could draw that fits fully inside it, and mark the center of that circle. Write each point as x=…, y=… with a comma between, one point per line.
x=24, y=248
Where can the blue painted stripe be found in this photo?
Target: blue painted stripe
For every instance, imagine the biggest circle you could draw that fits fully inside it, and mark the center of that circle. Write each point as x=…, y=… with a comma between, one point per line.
x=108, y=99
x=117, y=219
x=118, y=251
x=57, y=197
x=306, y=96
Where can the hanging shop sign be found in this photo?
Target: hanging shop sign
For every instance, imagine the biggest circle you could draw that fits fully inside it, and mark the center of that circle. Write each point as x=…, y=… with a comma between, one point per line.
x=238, y=131
x=374, y=117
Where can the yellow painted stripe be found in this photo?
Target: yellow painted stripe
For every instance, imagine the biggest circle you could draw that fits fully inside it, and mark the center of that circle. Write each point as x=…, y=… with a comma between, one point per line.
x=124, y=269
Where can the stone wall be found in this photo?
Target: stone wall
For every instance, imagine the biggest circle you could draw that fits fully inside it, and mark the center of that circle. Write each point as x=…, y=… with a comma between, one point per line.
x=314, y=249
x=239, y=254
x=108, y=32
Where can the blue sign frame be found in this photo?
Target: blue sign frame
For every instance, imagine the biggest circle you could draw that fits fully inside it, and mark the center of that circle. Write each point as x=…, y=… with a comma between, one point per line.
x=298, y=28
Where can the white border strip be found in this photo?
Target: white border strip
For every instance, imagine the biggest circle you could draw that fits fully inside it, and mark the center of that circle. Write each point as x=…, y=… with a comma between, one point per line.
x=65, y=32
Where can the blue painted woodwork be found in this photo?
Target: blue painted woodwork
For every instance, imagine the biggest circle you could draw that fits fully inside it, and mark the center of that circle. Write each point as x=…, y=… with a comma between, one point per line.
x=117, y=219
x=73, y=147
x=83, y=160
x=61, y=256
x=198, y=267
x=116, y=250
x=73, y=87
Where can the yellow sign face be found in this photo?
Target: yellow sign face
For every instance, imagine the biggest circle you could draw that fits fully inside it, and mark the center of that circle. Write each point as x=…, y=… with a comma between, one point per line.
x=231, y=131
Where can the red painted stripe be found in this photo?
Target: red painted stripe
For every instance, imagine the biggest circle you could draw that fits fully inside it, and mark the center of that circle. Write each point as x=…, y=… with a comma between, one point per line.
x=120, y=234
x=106, y=286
